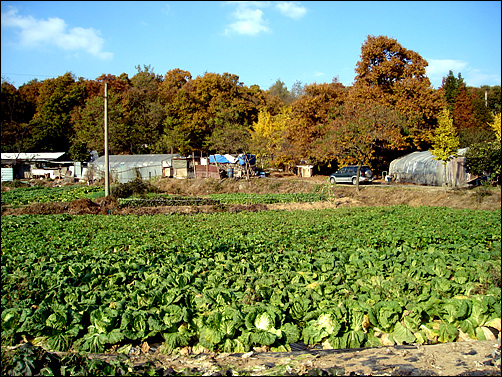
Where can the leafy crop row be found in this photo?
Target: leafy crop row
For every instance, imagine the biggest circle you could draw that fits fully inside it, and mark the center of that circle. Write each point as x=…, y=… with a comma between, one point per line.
x=165, y=201
x=231, y=281
x=214, y=199
x=39, y=194
x=242, y=198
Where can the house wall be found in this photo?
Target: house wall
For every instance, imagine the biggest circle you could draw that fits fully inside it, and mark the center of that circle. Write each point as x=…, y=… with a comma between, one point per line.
x=206, y=171
x=7, y=174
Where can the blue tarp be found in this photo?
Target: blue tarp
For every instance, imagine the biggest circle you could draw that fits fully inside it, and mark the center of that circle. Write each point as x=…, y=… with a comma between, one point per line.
x=226, y=159
x=250, y=157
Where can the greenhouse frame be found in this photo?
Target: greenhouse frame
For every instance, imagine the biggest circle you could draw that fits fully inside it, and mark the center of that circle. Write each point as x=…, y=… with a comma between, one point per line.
x=125, y=168
x=422, y=168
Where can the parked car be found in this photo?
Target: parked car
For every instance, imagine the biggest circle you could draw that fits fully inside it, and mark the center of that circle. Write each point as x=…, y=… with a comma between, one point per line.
x=348, y=174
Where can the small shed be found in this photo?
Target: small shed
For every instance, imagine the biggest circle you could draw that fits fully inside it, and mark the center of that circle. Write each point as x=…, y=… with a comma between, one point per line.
x=421, y=168
x=36, y=165
x=305, y=170
x=125, y=168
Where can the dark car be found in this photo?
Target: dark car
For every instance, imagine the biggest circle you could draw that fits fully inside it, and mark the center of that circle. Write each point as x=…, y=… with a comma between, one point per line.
x=348, y=174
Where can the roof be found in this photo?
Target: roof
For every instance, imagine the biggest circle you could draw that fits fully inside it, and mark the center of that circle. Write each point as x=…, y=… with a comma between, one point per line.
x=134, y=160
x=35, y=156
x=229, y=159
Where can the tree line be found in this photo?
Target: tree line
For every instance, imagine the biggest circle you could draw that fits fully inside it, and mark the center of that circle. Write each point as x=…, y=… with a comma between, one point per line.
x=391, y=109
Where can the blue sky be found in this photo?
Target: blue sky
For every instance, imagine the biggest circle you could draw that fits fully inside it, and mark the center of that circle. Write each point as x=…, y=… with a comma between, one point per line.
x=260, y=42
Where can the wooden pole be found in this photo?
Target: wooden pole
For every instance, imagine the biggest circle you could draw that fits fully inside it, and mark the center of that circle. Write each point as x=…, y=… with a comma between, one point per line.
x=107, y=158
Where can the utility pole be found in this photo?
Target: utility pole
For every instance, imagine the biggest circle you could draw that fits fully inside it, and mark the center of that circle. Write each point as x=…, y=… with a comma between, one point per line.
x=107, y=160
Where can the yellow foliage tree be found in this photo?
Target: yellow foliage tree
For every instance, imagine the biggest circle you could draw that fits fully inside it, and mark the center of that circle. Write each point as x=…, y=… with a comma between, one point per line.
x=268, y=133
x=496, y=126
x=445, y=141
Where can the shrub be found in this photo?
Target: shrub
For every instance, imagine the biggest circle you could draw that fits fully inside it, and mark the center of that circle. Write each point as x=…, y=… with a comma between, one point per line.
x=136, y=187
x=484, y=159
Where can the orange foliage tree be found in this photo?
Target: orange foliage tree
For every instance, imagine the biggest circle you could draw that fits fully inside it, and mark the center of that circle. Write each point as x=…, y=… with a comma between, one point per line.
x=395, y=77
x=310, y=117
x=357, y=129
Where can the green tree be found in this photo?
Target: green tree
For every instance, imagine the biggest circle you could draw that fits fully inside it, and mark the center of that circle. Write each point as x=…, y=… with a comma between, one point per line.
x=494, y=98
x=143, y=111
x=280, y=90
x=450, y=88
x=445, y=140
x=52, y=129
x=88, y=122
x=484, y=159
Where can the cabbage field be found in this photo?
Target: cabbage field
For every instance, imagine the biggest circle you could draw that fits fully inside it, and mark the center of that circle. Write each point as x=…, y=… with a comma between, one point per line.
x=228, y=282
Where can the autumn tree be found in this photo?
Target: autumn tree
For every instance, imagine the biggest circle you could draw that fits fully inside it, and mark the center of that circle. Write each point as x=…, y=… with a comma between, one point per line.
x=495, y=126
x=469, y=109
x=445, y=141
x=297, y=90
x=310, y=117
x=15, y=115
x=395, y=77
x=208, y=113
x=356, y=130
x=267, y=134
x=173, y=81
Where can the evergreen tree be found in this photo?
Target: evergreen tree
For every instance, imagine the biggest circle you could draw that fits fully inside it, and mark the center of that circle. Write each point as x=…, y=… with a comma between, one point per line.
x=450, y=87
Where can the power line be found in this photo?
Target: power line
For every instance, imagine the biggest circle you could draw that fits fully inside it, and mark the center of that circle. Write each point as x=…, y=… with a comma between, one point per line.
x=26, y=74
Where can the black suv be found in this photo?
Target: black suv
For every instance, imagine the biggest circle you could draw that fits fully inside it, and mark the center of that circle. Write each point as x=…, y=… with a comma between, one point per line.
x=348, y=174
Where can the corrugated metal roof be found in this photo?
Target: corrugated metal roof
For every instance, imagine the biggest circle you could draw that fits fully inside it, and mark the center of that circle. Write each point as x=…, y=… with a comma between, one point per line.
x=135, y=160
x=40, y=156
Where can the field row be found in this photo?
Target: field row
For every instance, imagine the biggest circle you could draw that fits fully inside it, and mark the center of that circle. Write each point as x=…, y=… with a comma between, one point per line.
x=230, y=281
x=38, y=194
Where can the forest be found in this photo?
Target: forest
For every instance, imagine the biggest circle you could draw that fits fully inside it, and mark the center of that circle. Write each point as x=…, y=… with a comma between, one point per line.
x=390, y=109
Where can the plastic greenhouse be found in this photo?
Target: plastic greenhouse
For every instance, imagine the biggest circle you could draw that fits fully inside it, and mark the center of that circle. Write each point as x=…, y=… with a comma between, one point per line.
x=421, y=168
x=125, y=168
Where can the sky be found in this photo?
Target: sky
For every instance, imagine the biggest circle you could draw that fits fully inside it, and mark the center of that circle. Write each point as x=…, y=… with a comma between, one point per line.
x=261, y=42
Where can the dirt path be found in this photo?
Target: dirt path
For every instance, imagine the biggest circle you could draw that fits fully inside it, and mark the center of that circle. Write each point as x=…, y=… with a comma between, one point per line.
x=476, y=358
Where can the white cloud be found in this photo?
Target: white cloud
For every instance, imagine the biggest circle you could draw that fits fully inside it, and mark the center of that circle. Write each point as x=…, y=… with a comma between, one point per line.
x=249, y=16
x=249, y=21
x=54, y=31
x=441, y=68
x=291, y=9
x=438, y=69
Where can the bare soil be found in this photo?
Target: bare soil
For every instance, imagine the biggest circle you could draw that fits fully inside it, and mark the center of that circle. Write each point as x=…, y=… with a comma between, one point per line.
x=376, y=194
x=468, y=358
x=475, y=358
